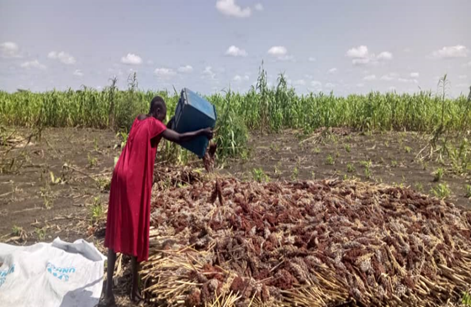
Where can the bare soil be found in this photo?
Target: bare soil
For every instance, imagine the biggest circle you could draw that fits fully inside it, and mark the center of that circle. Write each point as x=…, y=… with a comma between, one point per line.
x=49, y=187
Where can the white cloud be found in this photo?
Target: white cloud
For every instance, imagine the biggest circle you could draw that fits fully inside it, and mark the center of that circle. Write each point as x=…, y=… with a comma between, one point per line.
x=450, y=52
x=278, y=51
x=359, y=85
x=385, y=56
x=392, y=88
x=299, y=82
x=185, y=69
x=407, y=80
x=235, y=51
x=78, y=72
x=332, y=70
x=311, y=59
x=308, y=76
x=63, y=57
x=33, y=64
x=150, y=62
x=316, y=83
x=463, y=77
x=131, y=59
x=389, y=77
x=164, y=72
x=361, y=56
x=9, y=50
x=286, y=58
x=407, y=50
x=414, y=75
x=362, y=61
x=230, y=8
x=329, y=85
x=258, y=7
x=370, y=78
x=359, y=52
x=208, y=72
x=238, y=78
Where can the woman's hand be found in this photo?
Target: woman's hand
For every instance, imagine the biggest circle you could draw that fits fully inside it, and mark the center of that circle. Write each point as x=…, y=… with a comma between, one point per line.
x=208, y=132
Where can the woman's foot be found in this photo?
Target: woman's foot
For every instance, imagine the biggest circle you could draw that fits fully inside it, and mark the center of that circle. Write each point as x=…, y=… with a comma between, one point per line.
x=109, y=301
x=135, y=296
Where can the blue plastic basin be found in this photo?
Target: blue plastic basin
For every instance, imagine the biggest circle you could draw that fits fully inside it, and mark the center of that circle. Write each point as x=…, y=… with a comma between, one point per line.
x=194, y=113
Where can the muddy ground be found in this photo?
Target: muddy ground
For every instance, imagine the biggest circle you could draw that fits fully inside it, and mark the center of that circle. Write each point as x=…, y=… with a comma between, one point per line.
x=56, y=185
x=50, y=186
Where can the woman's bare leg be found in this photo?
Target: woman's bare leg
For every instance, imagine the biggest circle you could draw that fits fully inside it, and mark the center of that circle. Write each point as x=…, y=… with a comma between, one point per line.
x=135, y=291
x=109, y=297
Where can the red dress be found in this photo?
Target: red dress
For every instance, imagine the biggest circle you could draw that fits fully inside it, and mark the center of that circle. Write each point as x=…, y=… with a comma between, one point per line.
x=128, y=217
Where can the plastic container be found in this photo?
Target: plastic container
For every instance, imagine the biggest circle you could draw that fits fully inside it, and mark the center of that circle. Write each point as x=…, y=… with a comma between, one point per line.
x=194, y=113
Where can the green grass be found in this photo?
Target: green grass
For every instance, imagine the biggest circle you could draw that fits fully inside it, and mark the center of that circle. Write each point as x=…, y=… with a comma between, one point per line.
x=466, y=299
x=438, y=175
x=275, y=147
x=330, y=160
x=367, y=165
x=41, y=233
x=277, y=171
x=47, y=196
x=419, y=187
x=316, y=150
x=104, y=184
x=16, y=230
x=259, y=175
x=295, y=173
x=351, y=168
x=96, y=209
x=95, y=145
x=441, y=191
x=92, y=161
x=347, y=147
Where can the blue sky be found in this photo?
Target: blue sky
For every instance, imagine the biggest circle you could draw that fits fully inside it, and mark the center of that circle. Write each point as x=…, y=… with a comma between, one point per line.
x=342, y=45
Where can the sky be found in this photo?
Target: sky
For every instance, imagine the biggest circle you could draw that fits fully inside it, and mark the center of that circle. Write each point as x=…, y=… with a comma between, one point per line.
x=344, y=46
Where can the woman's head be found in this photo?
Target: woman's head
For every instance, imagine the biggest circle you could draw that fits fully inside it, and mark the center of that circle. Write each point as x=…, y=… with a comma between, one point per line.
x=158, y=108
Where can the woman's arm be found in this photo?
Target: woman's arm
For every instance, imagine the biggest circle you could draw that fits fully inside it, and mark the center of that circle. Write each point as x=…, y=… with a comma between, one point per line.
x=176, y=137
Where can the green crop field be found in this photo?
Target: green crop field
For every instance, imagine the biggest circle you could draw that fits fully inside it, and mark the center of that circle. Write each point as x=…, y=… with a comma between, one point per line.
x=260, y=109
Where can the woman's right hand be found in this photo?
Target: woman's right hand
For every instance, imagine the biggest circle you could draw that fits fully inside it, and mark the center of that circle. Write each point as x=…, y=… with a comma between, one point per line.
x=208, y=132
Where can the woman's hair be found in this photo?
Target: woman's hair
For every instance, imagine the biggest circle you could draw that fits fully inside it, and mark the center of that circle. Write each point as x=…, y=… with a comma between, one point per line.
x=156, y=103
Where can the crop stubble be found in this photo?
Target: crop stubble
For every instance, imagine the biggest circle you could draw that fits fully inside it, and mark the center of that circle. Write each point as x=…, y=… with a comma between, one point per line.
x=311, y=243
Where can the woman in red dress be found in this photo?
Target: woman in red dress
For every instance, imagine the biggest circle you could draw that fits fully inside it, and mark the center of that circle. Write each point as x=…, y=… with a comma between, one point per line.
x=128, y=216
